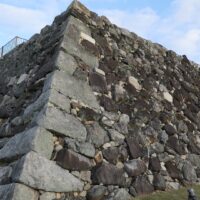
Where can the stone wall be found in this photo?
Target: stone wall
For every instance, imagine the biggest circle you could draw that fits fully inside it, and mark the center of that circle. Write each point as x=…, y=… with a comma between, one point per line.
x=92, y=111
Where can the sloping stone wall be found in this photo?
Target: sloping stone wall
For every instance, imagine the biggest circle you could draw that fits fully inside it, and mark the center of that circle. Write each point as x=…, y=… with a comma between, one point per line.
x=91, y=111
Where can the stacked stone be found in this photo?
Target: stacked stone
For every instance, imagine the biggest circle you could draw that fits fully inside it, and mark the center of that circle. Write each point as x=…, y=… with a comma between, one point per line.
x=91, y=111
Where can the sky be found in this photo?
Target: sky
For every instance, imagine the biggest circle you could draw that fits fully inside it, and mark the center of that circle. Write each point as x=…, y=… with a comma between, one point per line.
x=173, y=23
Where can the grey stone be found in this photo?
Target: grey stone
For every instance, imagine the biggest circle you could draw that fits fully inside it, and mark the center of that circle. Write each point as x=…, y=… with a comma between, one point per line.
x=40, y=173
x=71, y=42
x=48, y=196
x=72, y=88
x=122, y=194
x=189, y=172
x=135, y=167
x=66, y=62
x=122, y=125
x=159, y=182
x=108, y=174
x=3, y=141
x=116, y=136
x=96, y=135
x=5, y=174
x=35, y=139
x=194, y=159
x=84, y=148
x=96, y=193
x=51, y=96
x=60, y=123
x=16, y=191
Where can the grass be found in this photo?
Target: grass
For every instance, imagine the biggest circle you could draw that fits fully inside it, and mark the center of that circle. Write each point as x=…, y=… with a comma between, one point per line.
x=171, y=195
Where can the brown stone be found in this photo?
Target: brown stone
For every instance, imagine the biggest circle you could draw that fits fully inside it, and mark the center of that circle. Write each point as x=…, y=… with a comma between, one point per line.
x=134, y=147
x=108, y=174
x=71, y=160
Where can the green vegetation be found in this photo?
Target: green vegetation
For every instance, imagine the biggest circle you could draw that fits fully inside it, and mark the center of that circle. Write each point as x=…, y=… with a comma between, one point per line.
x=171, y=195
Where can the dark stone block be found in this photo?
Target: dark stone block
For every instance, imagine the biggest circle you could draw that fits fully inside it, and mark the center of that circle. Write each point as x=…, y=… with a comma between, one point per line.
x=136, y=150
x=73, y=161
x=154, y=164
x=108, y=174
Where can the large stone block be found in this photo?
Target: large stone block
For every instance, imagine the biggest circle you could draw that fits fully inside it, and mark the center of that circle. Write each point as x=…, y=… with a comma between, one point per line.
x=61, y=123
x=35, y=139
x=71, y=88
x=51, y=96
x=16, y=191
x=40, y=173
x=71, y=42
x=71, y=160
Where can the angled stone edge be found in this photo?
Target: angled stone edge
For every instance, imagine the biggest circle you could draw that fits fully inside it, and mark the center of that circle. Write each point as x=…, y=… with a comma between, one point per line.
x=52, y=96
x=74, y=31
x=60, y=123
x=16, y=191
x=35, y=139
x=72, y=88
x=36, y=171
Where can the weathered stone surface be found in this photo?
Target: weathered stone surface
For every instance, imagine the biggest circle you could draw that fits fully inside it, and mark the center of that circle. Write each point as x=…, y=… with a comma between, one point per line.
x=154, y=164
x=134, y=83
x=111, y=154
x=135, y=167
x=135, y=149
x=71, y=42
x=96, y=134
x=142, y=185
x=62, y=124
x=5, y=173
x=84, y=148
x=172, y=170
x=189, y=172
x=51, y=96
x=48, y=196
x=66, y=62
x=16, y=191
x=159, y=182
x=108, y=174
x=36, y=171
x=71, y=87
x=167, y=96
x=35, y=139
x=71, y=160
x=96, y=193
x=170, y=129
x=121, y=194
x=3, y=141
x=98, y=82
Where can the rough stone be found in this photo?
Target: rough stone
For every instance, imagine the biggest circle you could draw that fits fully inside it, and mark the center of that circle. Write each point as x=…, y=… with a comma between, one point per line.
x=189, y=172
x=63, y=124
x=62, y=82
x=96, y=193
x=108, y=174
x=16, y=191
x=5, y=174
x=159, y=182
x=154, y=164
x=135, y=167
x=134, y=82
x=35, y=139
x=96, y=134
x=48, y=196
x=36, y=171
x=135, y=149
x=51, y=96
x=122, y=194
x=73, y=161
x=142, y=186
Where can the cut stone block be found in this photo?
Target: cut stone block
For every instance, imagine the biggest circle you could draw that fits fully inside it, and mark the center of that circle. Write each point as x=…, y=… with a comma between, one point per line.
x=35, y=139
x=61, y=123
x=74, y=30
x=72, y=88
x=51, y=96
x=16, y=191
x=40, y=173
